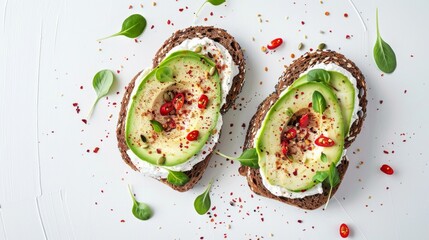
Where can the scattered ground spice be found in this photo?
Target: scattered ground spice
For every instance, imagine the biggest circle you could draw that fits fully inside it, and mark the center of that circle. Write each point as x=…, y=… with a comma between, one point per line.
x=346, y=15
x=96, y=150
x=327, y=13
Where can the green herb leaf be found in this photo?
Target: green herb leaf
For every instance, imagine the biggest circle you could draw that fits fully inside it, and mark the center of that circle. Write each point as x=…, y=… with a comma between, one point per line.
x=132, y=27
x=164, y=74
x=384, y=55
x=213, y=2
x=289, y=112
x=248, y=158
x=320, y=176
x=202, y=203
x=319, y=102
x=323, y=157
x=157, y=126
x=333, y=180
x=319, y=75
x=102, y=82
x=140, y=210
x=177, y=178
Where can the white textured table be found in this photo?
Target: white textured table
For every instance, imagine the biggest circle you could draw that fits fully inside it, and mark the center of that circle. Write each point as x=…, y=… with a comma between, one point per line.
x=52, y=188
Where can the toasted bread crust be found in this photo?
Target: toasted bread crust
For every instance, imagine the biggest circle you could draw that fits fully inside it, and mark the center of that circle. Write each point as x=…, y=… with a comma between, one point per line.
x=289, y=76
x=233, y=47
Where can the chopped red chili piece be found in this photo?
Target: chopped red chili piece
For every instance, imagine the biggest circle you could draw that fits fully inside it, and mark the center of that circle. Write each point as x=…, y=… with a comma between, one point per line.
x=285, y=148
x=202, y=102
x=193, y=135
x=386, y=169
x=275, y=43
x=303, y=122
x=178, y=101
x=344, y=230
x=323, y=141
x=291, y=133
x=166, y=108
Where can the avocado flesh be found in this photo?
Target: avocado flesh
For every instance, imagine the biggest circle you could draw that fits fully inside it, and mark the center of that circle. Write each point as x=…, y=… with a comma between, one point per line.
x=190, y=77
x=296, y=174
x=345, y=92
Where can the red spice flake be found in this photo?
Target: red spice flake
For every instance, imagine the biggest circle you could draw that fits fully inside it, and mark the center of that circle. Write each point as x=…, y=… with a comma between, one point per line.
x=381, y=101
x=180, y=9
x=96, y=150
x=295, y=173
x=81, y=87
x=405, y=91
x=386, y=152
x=348, y=36
x=299, y=221
x=122, y=221
x=118, y=71
x=262, y=219
x=292, y=55
x=158, y=150
x=85, y=121
x=130, y=7
x=211, y=13
x=205, y=19
x=102, y=191
x=75, y=104
x=213, y=208
x=386, y=169
x=168, y=22
x=311, y=49
x=135, y=40
x=327, y=13
x=152, y=27
x=302, y=22
x=346, y=15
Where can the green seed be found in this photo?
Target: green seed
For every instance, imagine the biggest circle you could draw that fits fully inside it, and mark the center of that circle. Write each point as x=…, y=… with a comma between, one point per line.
x=198, y=49
x=321, y=46
x=161, y=160
x=212, y=71
x=300, y=46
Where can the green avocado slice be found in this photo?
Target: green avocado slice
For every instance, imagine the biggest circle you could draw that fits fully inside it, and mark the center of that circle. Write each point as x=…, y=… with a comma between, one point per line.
x=190, y=77
x=295, y=172
x=343, y=89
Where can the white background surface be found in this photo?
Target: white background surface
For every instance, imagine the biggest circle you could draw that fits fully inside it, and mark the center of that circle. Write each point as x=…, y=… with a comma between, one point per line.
x=51, y=188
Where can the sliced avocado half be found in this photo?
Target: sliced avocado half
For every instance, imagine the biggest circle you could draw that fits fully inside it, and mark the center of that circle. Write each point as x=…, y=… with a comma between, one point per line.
x=295, y=170
x=343, y=89
x=190, y=77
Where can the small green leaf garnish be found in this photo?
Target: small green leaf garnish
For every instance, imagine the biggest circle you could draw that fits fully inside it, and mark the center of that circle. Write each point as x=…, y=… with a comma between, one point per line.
x=202, y=203
x=319, y=102
x=164, y=74
x=320, y=176
x=102, y=82
x=289, y=112
x=319, y=75
x=177, y=178
x=157, y=126
x=140, y=210
x=384, y=55
x=323, y=157
x=248, y=158
x=213, y=2
x=132, y=27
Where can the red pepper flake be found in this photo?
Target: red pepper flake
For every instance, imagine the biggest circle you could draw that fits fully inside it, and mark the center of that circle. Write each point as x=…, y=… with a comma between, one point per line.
x=262, y=219
x=348, y=36
x=135, y=40
x=168, y=22
x=180, y=9
x=299, y=221
x=122, y=221
x=327, y=13
x=302, y=22
x=118, y=71
x=295, y=173
x=152, y=27
x=130, y=7
x=75, y=104
x=405, y=91
x=386, y=169
x=211, y=13
x=85, y=121
x=346, y=15
x=81, y=87
x=205, y=19
x=292, y=55
x=96, y=150
x=386, y=152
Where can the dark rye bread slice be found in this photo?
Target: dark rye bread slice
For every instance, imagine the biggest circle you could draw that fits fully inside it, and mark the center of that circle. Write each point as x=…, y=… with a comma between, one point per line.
x=234, y=49
x=217, y=35
x=292, y=73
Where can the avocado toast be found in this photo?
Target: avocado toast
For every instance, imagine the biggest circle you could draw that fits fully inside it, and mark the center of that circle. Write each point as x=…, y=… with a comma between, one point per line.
x=295, y=140
x=170, y=117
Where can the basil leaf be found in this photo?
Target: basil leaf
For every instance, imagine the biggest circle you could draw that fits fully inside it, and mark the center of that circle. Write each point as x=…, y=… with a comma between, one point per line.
x=213, y=2
x=323, y=157
x=216, y=2
x=140, y=210
x=157, y=126
x=177, y=178
x=202, y=203
x=334, y=176
x=102, y=82
x=319, y=102
x=319, y=75
x=320, y=176
x=132, y=27
x=248, y=158
x=384, y=55
x=164, y=74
